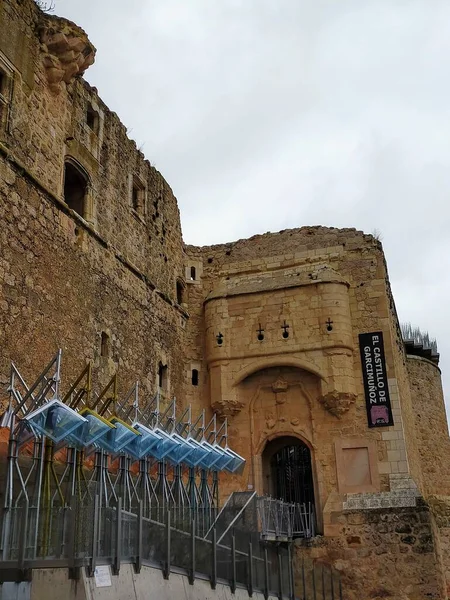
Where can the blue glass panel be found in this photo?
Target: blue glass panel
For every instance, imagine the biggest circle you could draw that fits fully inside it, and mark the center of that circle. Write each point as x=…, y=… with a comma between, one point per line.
x=212, y=457
x=198, y=453
x=116, y=439
x=166, y=448
x=125, y=433
x=225, y=459
x=237, y=463
x=55, y=420
x=142, y=446
x=95, y=428
x=25, y=433
x=184, y=450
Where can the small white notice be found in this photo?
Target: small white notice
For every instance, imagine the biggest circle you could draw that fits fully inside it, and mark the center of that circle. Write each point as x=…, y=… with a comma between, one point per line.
x=102, y=576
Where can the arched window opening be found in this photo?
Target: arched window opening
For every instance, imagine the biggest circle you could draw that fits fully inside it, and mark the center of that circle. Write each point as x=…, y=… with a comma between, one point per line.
x=162, y=376
x=75, y=188
x=192, y=273
x=289, y=477
x=180, y=292
x=194, y=376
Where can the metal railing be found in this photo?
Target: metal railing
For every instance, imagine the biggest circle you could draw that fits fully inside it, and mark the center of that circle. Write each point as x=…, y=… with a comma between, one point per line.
x=283, y=520
x=86, y=534
x=78, y=507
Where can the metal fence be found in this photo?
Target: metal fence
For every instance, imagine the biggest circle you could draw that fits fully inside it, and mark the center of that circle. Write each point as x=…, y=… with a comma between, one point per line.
x=86, y=534
x=72, y=504
x=77, y=531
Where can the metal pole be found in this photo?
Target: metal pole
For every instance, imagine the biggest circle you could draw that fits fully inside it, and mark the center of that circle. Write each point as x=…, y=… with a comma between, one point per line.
x=71, y=545
x=266, y=575
x=7, y=514
x=23, y=537
x=166, y=569
x=118, y=551
x=280, y=574
x=214, y=560
x=40, y=460
x=250, y=570
x=291, y=574
x=140, y=524
x=192, y=571
x=332, y=583
x=95, y=536
x=233, y=564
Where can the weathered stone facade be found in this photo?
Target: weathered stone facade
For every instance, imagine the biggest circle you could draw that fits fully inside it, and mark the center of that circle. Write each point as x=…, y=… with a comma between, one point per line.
x=93, y=262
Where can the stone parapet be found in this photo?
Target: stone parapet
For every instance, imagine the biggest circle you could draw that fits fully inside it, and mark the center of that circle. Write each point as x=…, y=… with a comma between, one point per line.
x=66, y=50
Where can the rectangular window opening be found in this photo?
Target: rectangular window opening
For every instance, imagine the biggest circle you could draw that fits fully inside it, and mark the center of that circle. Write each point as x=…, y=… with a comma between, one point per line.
x=92, y=119
x=104, y=348
x=162, y=376
x=138, y=196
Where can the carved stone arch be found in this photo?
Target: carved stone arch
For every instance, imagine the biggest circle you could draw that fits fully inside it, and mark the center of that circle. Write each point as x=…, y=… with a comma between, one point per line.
x=279, y=401
x=79, y=166
x=287, y=467
x=277, y=361
x=283, y=434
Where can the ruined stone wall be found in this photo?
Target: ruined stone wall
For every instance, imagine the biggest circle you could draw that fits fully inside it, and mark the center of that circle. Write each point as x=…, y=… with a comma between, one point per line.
x=198, y=395
x=381, y=554
x=430, y=423
x=407, y=446
x=67, y=277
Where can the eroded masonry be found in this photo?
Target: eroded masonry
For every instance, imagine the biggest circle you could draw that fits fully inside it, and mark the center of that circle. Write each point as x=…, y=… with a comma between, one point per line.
x=284, y=349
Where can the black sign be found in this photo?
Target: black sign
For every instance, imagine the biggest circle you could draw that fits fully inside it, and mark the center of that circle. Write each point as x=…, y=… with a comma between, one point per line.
x=378, y=403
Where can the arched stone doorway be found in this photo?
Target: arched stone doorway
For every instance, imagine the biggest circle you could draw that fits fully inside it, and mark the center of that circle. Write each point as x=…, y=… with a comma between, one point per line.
x=287, y=471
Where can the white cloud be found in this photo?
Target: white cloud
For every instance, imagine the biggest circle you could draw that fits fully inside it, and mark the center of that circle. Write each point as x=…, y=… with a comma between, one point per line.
x=267, y=114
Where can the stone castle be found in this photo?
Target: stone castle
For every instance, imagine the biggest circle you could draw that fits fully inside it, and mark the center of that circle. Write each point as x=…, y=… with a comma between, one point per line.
x=263, y=331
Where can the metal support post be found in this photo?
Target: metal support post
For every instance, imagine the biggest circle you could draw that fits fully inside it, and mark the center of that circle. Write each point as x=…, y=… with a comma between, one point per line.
x=280, y=574
x=233, y=564
x=214, y=560
x=95, y=536
x=266, y=574
x=192, y=569
x=71, y=542
x=250, y=570
x=23, y=536
x=166, y=567
x=118, y=552
x=140, y=524
x=291, y=573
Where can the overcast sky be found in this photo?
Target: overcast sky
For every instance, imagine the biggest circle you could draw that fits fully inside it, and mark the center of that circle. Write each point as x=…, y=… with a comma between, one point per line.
x=269, y=114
